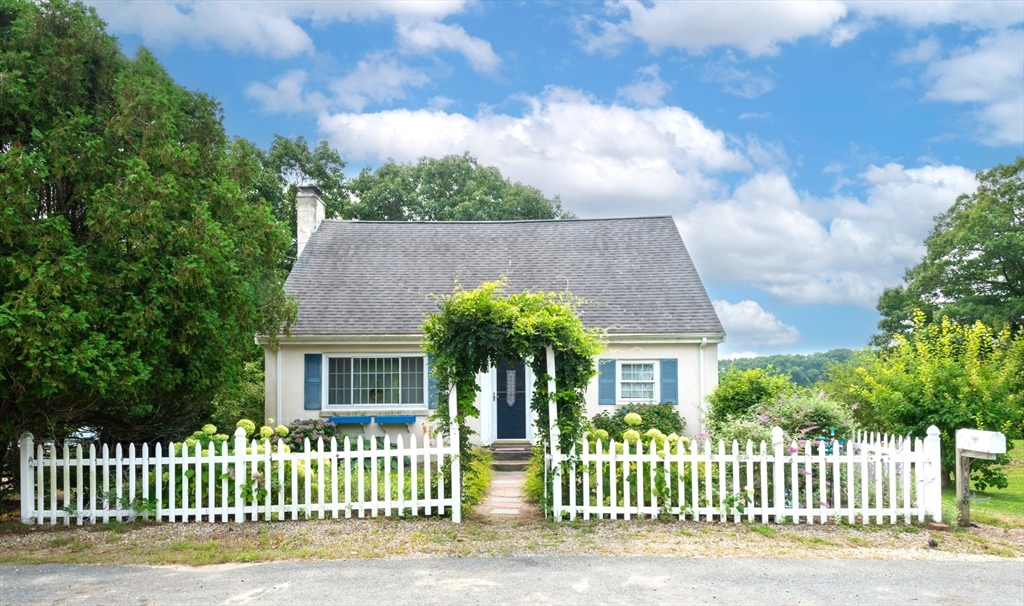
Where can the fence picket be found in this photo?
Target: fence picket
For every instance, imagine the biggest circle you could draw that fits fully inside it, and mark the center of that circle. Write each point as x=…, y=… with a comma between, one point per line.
x=92, y=482
x=883, y=476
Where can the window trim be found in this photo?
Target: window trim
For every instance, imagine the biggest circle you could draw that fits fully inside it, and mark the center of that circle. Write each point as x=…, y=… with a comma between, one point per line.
x=325, y=381
x=618, y=381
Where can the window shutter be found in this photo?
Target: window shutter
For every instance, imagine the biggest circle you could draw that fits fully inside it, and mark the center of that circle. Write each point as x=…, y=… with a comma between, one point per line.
x=670, y=380
x=313, y=393
x=431, y=385
x=606, y=381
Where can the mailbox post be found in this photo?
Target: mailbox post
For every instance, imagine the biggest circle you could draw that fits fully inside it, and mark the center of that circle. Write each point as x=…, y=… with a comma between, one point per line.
x=972, y=444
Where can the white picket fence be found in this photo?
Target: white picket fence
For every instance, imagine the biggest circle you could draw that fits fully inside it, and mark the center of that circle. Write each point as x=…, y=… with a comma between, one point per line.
x=251, y=481
x=876, y=478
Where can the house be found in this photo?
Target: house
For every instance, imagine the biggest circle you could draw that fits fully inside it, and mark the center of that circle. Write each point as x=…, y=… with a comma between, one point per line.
x=363, y=290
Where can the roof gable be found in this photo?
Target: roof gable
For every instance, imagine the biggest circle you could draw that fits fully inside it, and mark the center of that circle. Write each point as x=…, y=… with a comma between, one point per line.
x=376, y=278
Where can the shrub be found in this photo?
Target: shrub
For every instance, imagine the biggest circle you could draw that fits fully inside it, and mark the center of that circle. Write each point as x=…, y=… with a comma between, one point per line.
x=478, y=479
x=809, y=416
x=743, y=430
x=314, y=429
x=741, y=391
x=663, y=417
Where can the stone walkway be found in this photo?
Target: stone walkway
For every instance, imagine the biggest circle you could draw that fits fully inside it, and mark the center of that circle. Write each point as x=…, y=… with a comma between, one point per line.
x=505, y=498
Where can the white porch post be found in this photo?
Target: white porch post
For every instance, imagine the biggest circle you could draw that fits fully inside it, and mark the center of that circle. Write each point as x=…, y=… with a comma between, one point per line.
x=453, y=436
x=556, y=466
x=28, y=480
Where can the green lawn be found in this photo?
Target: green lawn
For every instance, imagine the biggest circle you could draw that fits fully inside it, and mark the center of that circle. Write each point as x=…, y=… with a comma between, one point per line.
x=1004, y=507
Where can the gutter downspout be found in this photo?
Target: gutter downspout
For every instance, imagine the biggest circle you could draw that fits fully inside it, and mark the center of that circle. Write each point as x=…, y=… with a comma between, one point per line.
x=277, y=378
x=700, y=364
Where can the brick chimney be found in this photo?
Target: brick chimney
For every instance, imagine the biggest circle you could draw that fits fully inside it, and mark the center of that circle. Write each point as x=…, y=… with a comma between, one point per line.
x=310, y=210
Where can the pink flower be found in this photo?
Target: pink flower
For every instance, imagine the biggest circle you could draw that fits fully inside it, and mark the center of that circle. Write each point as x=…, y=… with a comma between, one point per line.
x=825, y=505
x=804, y=472
x=791, y=449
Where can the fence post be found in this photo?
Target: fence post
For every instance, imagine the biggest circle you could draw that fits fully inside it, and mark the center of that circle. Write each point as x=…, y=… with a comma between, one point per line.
x=239, y=474
x=933, y=475
x=456, y=446
x=778, y=475
x=556, y=459
x=28, y=480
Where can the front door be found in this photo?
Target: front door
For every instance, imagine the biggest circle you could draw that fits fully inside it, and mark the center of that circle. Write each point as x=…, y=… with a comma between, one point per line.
x=511, y=401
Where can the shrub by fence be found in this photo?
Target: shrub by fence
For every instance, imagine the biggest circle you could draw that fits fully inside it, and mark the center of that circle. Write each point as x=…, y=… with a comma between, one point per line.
x=243, y=480
x=879, y=478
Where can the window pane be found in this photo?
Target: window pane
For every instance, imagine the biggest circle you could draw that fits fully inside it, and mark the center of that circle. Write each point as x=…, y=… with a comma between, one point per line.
x=339, y=381
x=638, y=372
x=375, y=380
x=412, y=380
x=637, y=391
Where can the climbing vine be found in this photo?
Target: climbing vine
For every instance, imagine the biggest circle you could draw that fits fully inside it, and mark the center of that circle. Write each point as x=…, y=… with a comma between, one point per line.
x=473, y=330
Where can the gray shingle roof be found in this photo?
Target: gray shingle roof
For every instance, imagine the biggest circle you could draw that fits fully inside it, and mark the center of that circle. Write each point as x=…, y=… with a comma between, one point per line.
x=373, y=278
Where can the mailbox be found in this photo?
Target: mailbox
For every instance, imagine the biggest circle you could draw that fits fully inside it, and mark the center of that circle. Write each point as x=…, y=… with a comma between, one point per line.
x=972, y=444
x=979, y=444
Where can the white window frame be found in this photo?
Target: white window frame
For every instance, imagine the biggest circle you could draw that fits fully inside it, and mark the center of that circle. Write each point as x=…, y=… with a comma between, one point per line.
x=325, y=382
x=657, y=381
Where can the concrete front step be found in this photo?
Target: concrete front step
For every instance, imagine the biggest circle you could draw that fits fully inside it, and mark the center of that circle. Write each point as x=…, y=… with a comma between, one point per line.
x=510, y=454
x=509, y=465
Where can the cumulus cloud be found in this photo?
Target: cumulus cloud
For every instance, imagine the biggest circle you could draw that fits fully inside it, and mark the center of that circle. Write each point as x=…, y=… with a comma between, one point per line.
x=806, y=250
x=989, y=74
x=760, y=28
x=286, y=96
x=268, y=28
x=748, y=325
x=565, y=143
x=378, y=78
x=647, y=89
x=427, y=36
x=609, y=159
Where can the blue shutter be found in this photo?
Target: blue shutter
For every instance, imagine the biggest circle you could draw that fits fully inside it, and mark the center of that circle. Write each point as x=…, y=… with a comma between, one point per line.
x=313, y=394
x=670, y=380
x=431, y=385
x=606, y=381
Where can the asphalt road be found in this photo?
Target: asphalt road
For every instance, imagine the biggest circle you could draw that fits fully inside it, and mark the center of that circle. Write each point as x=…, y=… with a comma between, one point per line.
x=561, y=580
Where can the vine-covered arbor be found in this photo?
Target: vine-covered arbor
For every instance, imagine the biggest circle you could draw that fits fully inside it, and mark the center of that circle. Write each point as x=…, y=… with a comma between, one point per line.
x=474, y=330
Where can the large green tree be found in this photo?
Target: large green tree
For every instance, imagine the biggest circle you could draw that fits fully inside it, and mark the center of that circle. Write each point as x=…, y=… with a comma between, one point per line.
x=974, y=266
x=137, y=256
x=452, y=188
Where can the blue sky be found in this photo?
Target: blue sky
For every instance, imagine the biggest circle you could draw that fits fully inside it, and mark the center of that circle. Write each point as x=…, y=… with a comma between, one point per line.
x=803, y=148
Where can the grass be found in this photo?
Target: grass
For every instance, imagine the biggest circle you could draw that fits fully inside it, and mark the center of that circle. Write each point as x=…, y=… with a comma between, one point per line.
x=1003, y=507
x=480, y=535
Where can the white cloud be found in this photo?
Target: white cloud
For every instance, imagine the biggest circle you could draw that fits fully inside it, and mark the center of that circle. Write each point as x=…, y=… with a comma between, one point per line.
x=647, y=89
x=264, y=28
x=804, y=250
x=748, y=325
x=925, y=51
x=736, y=81
x=427, y=36
x=376, y=78
x=285, y=97
x=758, y=28
x=990, y=74
x=755, y=116
x=565, y=143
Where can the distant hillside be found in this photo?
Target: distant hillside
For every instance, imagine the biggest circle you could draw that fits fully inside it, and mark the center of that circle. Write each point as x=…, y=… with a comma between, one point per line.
x=805, y=369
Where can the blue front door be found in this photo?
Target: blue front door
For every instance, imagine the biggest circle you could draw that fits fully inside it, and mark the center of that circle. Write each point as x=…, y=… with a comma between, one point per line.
x=511, y=401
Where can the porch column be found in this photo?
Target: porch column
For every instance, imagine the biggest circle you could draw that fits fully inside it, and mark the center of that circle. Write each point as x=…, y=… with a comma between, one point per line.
x=556, y=467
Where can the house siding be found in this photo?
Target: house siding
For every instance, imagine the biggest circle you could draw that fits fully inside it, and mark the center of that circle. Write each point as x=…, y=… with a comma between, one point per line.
x=293, y=385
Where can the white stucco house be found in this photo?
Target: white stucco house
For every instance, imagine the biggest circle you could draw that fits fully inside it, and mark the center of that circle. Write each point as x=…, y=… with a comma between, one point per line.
x=363, y=290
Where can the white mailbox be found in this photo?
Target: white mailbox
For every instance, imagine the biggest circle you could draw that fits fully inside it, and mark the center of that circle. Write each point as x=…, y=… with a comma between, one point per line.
x=978, y=443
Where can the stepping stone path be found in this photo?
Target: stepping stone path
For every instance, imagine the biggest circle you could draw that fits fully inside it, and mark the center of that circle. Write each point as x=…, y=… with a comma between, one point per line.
x=505, y=496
